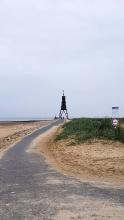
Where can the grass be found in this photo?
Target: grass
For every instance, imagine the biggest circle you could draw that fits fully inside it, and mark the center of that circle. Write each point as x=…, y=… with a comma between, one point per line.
x=86, y=129
x=121, y=120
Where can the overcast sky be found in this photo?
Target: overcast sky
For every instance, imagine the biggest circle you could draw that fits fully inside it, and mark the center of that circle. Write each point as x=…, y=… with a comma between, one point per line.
x=50, y=45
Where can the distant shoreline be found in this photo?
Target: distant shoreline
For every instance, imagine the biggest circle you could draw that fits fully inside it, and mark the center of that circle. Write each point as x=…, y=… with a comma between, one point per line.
x=11, y=120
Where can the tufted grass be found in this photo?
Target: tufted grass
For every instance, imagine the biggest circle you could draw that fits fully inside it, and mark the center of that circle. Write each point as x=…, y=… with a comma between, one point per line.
x=87, y=129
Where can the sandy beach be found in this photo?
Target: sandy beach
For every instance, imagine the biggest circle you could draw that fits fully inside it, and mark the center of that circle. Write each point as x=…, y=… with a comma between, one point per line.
x=11, y=132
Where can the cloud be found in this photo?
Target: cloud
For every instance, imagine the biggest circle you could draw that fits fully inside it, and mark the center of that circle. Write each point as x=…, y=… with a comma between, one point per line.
x=48, y=45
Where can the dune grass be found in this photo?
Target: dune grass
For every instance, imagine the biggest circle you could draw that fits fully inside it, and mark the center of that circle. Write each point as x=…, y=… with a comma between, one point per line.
x=86, y=129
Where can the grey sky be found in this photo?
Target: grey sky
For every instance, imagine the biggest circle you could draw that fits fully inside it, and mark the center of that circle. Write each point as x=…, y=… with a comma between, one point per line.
x=51, y=45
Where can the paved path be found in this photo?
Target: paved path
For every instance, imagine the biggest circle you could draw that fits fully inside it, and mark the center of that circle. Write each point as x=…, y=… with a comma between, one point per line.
x=32, y=190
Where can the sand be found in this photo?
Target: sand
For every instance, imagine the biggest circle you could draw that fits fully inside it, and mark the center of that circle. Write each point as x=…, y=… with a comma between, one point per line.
x=11, y=132
x=100, y=161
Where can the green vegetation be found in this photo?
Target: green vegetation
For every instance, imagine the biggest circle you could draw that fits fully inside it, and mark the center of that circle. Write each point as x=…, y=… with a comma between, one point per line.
x=85, y=129
x=121, y=120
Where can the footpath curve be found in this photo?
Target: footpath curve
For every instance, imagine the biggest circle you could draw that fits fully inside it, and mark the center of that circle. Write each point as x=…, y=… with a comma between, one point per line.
x=31, y=190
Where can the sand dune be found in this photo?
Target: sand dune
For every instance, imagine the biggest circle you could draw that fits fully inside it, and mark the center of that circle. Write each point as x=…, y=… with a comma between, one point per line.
x=99, y=161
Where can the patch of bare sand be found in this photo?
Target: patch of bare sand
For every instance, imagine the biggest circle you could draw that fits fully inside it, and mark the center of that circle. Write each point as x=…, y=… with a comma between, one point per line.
x=100, y=161
x=12, y=132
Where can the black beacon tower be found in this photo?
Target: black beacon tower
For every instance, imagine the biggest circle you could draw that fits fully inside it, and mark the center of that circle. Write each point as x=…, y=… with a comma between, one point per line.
x=63, y=110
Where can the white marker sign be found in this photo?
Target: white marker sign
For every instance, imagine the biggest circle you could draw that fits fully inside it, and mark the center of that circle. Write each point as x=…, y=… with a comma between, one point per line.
x=115, y=122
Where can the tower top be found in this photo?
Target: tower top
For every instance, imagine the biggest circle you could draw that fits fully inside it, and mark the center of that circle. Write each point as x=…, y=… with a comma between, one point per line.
x=63, y=93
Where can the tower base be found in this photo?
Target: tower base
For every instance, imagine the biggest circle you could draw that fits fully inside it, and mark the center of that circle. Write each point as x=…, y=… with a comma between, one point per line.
x=63, y=113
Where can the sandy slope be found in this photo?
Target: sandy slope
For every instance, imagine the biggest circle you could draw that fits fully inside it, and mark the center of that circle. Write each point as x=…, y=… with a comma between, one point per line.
x=12, y=132
x=100, y=161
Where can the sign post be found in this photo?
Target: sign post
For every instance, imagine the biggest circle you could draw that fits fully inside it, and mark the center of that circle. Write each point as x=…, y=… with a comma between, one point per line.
x=115, y=116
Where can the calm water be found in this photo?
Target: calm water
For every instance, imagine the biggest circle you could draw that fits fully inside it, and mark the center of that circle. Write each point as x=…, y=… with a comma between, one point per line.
x=24, y=119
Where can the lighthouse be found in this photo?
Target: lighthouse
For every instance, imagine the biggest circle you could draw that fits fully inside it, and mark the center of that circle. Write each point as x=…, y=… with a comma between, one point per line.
x=63, y=111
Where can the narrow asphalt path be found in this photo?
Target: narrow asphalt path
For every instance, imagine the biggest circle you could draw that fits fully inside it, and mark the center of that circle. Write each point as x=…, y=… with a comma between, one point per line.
x=32, y=190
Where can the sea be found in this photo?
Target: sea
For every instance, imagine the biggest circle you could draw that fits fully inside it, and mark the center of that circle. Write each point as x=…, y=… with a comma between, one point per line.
x=24, y=119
